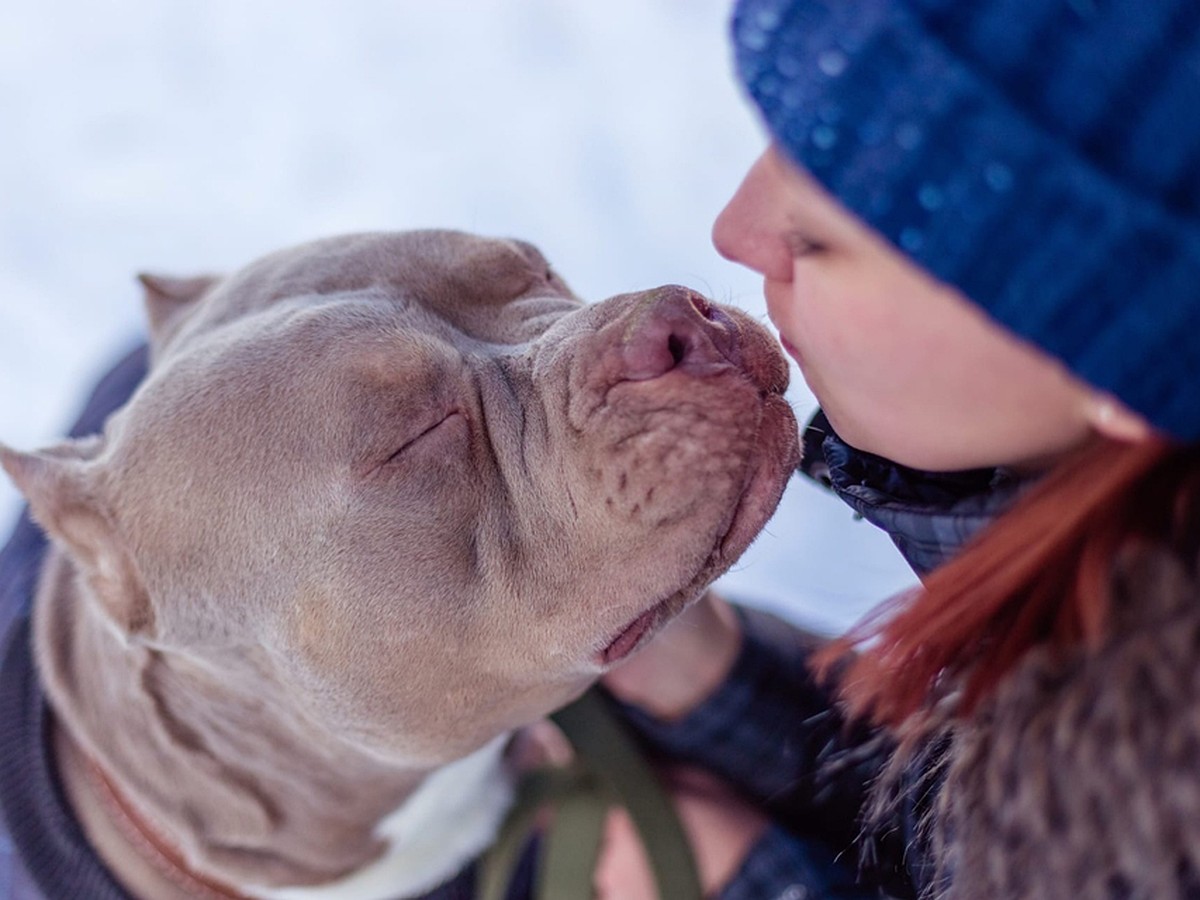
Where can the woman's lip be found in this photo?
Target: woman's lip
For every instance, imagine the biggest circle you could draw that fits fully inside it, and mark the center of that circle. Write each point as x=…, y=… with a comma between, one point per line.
x=778, y=294
x=789, y=348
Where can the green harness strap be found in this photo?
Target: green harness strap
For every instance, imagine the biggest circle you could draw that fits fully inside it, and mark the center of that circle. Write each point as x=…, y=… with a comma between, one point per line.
x=609, y=770
x=572, y=845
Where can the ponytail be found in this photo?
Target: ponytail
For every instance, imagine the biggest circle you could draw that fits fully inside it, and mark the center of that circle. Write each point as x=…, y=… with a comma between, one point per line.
x=1040, y=575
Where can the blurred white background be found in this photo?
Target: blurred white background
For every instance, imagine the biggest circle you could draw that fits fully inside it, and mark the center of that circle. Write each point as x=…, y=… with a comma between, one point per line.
x=195, y=135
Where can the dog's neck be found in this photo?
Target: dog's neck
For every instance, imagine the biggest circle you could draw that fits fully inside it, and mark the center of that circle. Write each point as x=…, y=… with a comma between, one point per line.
x=234, y=776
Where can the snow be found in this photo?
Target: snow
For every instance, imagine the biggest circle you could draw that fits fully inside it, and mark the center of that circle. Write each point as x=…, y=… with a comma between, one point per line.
x=195, y=135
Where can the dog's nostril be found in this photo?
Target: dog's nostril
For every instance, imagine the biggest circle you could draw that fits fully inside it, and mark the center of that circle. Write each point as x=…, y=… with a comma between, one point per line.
x=702, y=306
x=677, y=348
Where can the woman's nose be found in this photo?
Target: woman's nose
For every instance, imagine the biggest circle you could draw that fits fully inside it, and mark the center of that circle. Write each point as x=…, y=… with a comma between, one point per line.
x=751, y=228
x=727, y=235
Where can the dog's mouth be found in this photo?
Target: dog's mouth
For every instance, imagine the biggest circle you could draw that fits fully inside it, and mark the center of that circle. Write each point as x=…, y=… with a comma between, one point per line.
x=766, y=477
x=650, y=622
x=639, y=630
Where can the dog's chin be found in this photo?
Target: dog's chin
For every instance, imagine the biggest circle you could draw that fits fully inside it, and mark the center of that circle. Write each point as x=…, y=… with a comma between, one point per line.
x=777, y=456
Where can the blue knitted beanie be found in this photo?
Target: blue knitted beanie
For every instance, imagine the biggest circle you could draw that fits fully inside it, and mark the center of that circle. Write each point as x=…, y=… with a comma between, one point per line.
x=1041, y=155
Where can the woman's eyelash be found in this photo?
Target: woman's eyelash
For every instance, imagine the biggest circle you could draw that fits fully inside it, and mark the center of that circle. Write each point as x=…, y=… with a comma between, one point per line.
x=799, y=245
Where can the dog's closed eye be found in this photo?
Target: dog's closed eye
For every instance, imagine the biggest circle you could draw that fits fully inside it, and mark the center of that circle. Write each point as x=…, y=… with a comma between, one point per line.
x=453, y=420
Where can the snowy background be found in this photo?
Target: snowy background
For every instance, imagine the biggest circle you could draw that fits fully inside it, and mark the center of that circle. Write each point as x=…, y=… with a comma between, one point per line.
x=193, y=135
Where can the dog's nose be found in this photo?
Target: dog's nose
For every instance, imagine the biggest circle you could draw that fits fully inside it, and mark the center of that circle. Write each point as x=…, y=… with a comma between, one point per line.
x=678, y=329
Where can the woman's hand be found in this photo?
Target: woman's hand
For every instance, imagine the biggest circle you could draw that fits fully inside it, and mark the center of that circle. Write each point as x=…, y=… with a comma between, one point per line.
x=683, y=665
x=720, y=826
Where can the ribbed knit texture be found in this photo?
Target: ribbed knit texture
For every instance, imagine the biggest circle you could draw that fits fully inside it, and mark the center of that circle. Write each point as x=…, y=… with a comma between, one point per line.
x=1043, y=156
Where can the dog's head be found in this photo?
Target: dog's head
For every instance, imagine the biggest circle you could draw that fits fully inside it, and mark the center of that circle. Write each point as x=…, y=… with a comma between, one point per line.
x=418, y=484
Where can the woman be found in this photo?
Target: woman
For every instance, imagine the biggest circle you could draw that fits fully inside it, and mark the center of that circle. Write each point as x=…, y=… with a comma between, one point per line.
x=979, y=230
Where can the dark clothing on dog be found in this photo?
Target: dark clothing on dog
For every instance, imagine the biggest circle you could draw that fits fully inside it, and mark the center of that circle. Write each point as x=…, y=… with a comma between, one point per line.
x=43, y=852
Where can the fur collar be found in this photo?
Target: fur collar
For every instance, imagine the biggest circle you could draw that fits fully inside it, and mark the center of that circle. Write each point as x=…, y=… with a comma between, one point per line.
x=1080, y=778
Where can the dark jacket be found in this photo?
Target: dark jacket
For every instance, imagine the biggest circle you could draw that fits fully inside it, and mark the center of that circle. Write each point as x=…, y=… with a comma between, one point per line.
x=1079, y=778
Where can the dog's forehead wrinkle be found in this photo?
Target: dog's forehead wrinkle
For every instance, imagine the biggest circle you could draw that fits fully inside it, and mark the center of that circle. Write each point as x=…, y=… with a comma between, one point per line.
x=504, y=551
x=451, y=272
x=506, y=325
x=445, y=270
x=523, y=502
x=251, y=367
x=320, y=314
x=516, y=398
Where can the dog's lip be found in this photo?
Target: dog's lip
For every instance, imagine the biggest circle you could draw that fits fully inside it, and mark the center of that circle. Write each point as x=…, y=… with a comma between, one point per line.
x=739, y=531
x=633, y=634
x=648, y=623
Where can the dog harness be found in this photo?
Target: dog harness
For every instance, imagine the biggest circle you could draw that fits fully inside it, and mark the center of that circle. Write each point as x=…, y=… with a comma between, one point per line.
x=609, y=770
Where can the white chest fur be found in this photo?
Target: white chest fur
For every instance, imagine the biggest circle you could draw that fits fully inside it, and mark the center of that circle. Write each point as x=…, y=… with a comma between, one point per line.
x=449, y=820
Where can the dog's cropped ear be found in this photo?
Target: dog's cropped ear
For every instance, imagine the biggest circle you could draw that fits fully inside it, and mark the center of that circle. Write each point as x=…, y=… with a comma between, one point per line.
x=60, y=485
x=169, y=300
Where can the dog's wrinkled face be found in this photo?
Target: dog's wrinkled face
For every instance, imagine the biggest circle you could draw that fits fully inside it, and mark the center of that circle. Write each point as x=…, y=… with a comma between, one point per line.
x=419, y=484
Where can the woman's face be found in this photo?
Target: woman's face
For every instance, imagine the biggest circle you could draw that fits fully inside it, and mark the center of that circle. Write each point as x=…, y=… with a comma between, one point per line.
x=903, y=365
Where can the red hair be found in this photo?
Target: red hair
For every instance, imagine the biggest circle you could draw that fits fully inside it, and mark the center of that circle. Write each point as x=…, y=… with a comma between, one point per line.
x=1040, y=575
